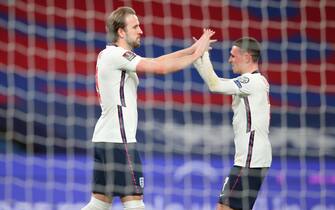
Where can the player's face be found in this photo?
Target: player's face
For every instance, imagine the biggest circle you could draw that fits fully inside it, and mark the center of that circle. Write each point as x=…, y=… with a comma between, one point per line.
x=133, y=31
x=238, y=60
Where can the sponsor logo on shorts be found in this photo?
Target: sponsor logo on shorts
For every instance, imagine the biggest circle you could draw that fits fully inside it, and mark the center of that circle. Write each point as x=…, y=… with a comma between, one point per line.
x=141, y=179
x=224, y=184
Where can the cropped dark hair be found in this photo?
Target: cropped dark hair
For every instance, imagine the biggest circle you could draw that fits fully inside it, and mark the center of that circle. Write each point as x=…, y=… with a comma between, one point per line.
x=250, y=45
x=116, y=20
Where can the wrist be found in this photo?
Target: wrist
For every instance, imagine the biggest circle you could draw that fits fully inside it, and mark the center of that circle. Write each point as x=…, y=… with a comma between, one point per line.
x=191, y=49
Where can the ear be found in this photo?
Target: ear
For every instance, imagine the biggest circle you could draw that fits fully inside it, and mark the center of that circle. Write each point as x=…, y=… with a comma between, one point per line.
x=121, y=32
x=247, y=57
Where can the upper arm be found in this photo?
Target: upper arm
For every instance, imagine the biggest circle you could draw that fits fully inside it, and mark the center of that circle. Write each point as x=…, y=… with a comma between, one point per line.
x=165, y=64
x=246, y=85
x=119, y=59
x=129, y=61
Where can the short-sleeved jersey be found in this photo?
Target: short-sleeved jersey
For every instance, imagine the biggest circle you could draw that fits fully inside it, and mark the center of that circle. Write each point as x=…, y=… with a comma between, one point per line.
x=116, y=84
x=251, y=120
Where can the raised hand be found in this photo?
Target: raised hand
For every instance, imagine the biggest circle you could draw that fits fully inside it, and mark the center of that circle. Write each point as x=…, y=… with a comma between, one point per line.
x=202, y=44
x=210, y=42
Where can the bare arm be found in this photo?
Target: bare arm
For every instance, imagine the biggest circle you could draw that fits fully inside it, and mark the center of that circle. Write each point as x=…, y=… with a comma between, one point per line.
x=178, y=60
x=180, y=53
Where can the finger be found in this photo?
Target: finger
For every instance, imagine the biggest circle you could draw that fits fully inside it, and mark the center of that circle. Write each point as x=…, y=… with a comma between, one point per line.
x=212, y=33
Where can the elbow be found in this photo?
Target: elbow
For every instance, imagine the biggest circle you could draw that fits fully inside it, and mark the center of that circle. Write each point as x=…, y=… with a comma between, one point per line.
x=217, y=89
x=212, y=88
x=151, y=66
x=161, y=70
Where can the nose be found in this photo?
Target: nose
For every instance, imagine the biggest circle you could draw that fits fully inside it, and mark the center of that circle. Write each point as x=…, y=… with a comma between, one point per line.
x=230, y=60
x=140, y=31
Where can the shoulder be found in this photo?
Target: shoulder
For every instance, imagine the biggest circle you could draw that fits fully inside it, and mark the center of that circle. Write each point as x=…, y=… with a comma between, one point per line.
x=129, y=55
x=118, y=53
x=260, y=80
x=252, y=78
x=243, y=80
x=251, y=81
x=113, y=50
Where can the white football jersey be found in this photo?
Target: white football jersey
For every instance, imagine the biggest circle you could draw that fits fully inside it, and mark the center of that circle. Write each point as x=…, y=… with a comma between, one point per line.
x=251, y=119
x=116, y=84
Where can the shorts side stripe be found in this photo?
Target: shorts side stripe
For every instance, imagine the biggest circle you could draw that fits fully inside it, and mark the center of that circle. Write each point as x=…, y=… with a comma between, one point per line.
x=235, y=184
x=124, y=140
x=131, y=169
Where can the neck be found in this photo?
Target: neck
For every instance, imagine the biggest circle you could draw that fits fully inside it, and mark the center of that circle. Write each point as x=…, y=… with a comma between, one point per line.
x=123, y=44
x=252, y=68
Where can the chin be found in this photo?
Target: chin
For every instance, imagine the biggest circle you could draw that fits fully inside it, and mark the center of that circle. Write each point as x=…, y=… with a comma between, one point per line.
x=136, y=44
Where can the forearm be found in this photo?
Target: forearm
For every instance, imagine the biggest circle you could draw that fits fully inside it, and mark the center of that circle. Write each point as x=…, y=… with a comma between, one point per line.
x=172, y=64
x=209, y=76
x=178, y=60
x=197, y=49
x=214, y=83
x=165, y=64
x=177, y=54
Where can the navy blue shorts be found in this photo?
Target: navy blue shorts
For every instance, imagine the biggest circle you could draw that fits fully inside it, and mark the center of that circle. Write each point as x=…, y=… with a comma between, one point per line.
x=117, y=170
x=241, y=187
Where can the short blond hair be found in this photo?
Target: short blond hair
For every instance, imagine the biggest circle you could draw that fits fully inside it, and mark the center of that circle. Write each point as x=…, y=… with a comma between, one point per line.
x=250, y=45
x=116, y=20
